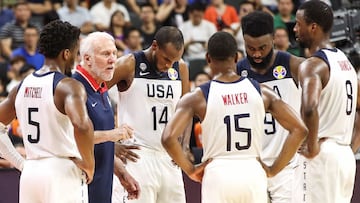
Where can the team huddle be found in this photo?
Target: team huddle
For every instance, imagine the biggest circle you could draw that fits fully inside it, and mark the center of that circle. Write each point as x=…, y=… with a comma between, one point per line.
x=276, y=127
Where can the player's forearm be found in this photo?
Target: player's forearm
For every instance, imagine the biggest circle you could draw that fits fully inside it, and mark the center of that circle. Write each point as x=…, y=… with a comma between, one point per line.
x=84, y=137
x=174, y=149
x=101, y=136
x=9, y=152
x=311, y=120
x=290, y=147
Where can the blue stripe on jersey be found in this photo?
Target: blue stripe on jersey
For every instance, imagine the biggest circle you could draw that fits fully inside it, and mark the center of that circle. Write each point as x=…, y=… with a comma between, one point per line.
x=145, y=69
x=282, y=59
x=320, y=54
x=256, y=85
x=205, y=89
x=57, y=77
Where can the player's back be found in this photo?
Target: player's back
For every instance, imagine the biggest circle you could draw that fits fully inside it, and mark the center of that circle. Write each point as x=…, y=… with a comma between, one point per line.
x=46, y=131
x=337, y=105
x=233, y=124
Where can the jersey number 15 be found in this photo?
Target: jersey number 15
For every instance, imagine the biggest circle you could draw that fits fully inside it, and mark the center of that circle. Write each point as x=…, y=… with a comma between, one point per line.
x=238, y=145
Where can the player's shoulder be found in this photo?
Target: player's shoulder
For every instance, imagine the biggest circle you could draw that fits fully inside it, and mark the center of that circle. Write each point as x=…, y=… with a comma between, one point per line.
x=69, y=85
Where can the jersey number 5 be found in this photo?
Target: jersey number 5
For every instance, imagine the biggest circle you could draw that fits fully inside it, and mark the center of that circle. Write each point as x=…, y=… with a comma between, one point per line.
x=227, y=122
x=34, y=123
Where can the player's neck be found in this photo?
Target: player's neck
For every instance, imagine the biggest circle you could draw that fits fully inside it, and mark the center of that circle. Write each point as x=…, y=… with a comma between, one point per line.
x=51, y=65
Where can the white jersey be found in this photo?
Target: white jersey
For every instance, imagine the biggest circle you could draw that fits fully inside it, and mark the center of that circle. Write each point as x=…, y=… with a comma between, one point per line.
x=46, y=131
x=338, y=98
x=279, y=78
x=150, y=101
x=233, y=123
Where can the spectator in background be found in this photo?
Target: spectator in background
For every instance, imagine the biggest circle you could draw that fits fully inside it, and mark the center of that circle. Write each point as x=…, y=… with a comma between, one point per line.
x=76, y=15
x=132, y=39
x=173, y=13
x=39, y=8
x=29, y=50
x=245, y=8
x=116, y=29
x=286, y=19
x=260, y=7
x=6, y=15
x=16, y=64
x=135, y=5
x=149, y=26
x=101, y=13
x=196, y=32
x=281, y=39
x=12, y=34
x=221, y=14
x=285, y=15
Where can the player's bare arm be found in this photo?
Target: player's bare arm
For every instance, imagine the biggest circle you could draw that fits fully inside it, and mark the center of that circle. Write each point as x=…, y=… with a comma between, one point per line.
x=8, y=107
x=291, y=121
x=121, y=133
x=355, y=142
x=313, y=77
x=126, y=180
x=295, y=62
x=8, y=150
x=124, y=72
x=189, y=105
x=70, y=99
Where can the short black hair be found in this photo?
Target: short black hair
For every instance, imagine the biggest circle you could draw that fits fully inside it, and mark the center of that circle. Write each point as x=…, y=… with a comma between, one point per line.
x=129, y=30
x=257, y=23
x=197, y=6
x=57, y=36
x=169, y=34
x=221, y=46
x=147, y=5
x=316, y=11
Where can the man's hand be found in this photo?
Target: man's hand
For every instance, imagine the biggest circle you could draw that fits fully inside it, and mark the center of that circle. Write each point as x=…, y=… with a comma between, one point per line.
x=124, y=152
x=198, y=171
x=316, y=149
x=130, y=184
x=124, y=132
x=89, y=171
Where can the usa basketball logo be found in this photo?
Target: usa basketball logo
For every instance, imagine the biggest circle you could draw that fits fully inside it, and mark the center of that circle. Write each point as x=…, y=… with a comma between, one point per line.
x=279, y=72
x=173, y=74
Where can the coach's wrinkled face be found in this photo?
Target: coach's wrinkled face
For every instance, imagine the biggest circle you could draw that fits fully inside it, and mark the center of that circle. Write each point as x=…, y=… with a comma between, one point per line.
x=102, y=60
x=166, y=56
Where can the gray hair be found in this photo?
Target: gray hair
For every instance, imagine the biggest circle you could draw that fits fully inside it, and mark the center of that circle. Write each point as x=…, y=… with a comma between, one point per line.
x=88, y=44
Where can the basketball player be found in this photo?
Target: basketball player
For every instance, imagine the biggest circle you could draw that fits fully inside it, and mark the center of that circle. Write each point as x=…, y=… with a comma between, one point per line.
x=278, y=70
x=58, y=133
x=231, y=109
x=150, y=83
x=330, y=97
x=98, y=54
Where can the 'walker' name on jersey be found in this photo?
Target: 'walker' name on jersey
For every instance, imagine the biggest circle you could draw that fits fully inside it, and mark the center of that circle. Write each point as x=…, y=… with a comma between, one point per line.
x=235, y=99
x=33, y=92
x=159, y=91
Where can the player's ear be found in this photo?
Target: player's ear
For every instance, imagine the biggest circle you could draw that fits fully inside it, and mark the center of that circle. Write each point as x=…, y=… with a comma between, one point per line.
x=66, y=54
x=208, y=60
x=154, y=45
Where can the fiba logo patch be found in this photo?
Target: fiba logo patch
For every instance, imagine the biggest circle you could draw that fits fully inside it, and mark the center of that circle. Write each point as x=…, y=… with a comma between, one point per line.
x=244, y=73
x=173, y=74
x=143, y=66
x=279, y=72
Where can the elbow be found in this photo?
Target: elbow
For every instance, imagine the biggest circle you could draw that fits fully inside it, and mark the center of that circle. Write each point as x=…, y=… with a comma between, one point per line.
x=308, y=111
x=83, y=126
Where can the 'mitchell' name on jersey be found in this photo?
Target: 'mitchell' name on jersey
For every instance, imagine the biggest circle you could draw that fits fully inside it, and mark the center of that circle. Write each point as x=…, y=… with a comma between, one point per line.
x=150, y=101
x=33, y=92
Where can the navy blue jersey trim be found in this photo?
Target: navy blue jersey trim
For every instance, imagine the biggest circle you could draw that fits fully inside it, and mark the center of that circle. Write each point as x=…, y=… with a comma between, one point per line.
x=57, y=77
x=321, y=54
x=205, y=89
x=256, y=84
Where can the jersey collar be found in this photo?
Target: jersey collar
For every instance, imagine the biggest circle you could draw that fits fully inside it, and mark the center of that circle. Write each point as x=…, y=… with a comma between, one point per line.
x=95, y=86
